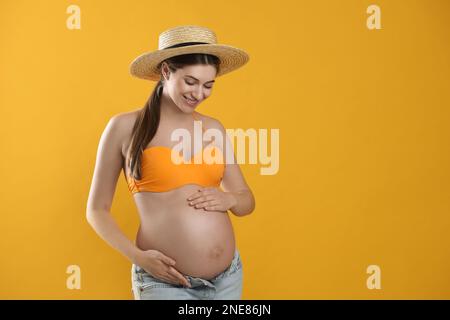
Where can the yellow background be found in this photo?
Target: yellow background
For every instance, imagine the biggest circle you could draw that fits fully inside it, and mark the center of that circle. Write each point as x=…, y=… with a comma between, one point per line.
x=364, y=142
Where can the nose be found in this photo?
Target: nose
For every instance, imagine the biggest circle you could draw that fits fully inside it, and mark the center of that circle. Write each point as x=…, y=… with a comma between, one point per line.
x=198, y=94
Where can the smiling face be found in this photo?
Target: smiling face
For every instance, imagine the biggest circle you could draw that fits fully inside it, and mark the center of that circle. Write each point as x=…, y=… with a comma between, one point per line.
x=190, y=85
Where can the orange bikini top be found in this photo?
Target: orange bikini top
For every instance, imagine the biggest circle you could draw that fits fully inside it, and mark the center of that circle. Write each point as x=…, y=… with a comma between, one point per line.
x=159, y=173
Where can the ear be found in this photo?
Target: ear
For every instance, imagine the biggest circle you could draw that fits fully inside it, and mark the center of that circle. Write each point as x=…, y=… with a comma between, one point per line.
x=165, y=70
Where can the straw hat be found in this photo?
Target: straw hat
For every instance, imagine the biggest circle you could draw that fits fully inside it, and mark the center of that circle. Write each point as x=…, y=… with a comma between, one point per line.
x=183, y=40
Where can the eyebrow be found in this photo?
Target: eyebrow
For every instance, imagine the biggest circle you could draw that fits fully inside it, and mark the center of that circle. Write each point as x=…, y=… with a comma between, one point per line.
x=198, y=80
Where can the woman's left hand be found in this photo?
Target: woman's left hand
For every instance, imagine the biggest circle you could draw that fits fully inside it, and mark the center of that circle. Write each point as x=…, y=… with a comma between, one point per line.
x=212, y=199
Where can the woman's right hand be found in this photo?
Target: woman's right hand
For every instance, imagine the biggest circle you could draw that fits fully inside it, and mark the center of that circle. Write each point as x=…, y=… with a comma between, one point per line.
x=161, y=266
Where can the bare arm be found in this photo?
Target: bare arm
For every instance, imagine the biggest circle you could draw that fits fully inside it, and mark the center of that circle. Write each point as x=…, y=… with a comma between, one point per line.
x=233, y=182
x=107, y=170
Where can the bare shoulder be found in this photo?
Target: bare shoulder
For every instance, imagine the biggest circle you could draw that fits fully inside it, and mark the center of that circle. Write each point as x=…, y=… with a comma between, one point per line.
x=123, y=125
x=126, y=117
x=125, y=120
x=210, y=122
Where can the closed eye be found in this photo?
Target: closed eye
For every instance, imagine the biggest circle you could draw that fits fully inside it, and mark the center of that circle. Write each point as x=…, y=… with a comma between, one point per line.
x=191, y=84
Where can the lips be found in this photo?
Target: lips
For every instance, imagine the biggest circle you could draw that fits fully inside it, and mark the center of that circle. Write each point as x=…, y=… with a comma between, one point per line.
x=190, y=102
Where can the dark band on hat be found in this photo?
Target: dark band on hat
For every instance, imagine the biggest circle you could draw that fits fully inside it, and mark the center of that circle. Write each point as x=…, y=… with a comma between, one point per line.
x=185, y=44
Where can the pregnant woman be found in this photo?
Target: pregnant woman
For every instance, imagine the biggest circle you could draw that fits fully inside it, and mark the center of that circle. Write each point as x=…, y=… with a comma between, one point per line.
x=185, y=246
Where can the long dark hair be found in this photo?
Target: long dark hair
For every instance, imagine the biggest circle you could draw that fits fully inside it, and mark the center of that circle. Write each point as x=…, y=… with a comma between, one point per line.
x=147, y=122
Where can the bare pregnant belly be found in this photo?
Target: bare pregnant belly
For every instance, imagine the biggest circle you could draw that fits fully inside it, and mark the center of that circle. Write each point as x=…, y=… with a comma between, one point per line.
x=201, y=242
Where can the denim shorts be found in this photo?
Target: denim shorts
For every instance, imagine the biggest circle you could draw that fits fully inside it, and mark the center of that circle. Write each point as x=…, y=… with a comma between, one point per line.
x=225, y=286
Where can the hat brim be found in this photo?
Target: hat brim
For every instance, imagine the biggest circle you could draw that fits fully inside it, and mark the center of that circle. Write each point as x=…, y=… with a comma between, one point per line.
x=145, y=66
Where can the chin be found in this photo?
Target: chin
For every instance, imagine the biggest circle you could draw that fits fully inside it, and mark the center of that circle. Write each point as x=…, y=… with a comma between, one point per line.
x=187, y=109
